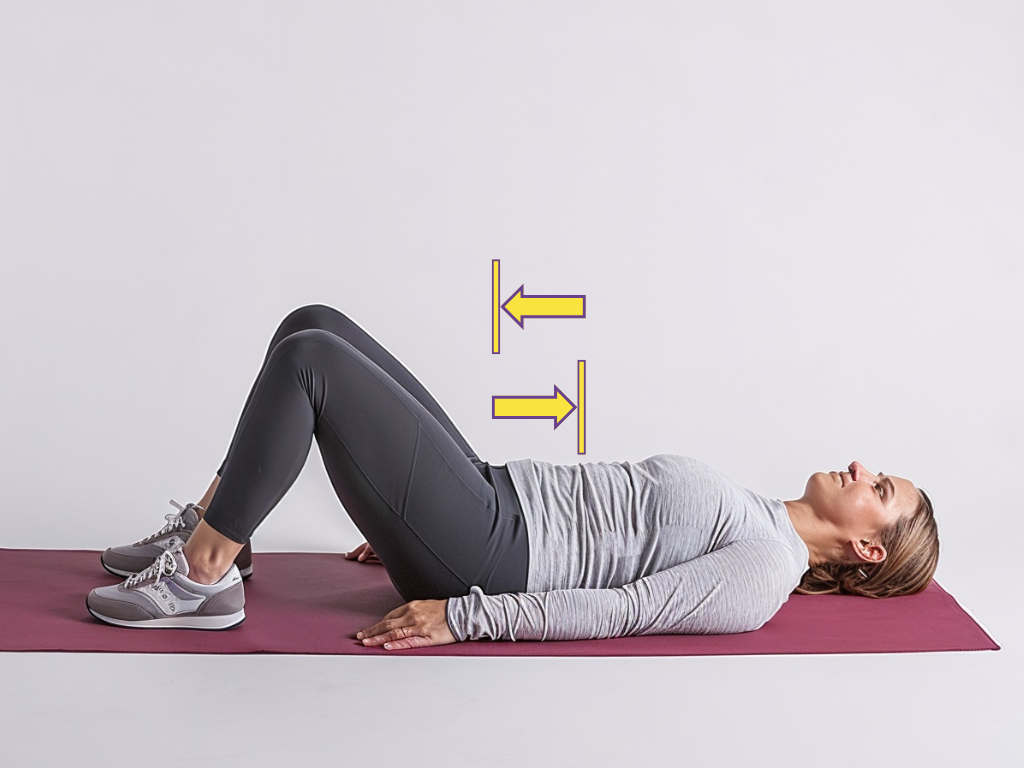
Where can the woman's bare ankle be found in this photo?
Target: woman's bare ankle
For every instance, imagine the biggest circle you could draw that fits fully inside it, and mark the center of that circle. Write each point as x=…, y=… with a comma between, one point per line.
x=209, y=554
x=206, y=573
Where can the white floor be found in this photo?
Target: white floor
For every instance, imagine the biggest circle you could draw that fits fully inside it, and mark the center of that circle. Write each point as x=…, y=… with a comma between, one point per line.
x=938, y=709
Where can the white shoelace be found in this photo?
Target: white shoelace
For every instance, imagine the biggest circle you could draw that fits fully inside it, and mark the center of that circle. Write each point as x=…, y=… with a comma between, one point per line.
x=175, y=521
x=165, y=565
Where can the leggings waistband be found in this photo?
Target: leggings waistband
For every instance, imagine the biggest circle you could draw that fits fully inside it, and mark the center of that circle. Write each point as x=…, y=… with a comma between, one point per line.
x=508, y=500
x=512, y=567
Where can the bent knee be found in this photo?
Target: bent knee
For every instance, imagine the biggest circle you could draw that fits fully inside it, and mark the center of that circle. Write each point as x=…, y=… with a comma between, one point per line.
x=310, y=316
x=305, y=343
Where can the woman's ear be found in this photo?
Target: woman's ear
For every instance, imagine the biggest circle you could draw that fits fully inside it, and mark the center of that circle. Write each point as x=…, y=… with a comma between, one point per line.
x=868, y=551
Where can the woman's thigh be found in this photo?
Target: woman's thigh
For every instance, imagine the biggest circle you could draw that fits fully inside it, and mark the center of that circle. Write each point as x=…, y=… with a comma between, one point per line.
x=407, y=484
x=330, y=319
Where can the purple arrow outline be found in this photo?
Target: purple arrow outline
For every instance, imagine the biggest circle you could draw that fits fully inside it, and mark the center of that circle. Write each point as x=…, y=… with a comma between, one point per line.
x=557, y=391
x=519, y=292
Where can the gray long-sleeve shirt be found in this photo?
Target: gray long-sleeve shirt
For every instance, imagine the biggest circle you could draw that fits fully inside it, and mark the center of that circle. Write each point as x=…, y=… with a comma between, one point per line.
x=667, y=545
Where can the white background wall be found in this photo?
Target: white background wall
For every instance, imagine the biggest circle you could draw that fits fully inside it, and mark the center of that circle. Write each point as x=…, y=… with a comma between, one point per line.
x=799, y=230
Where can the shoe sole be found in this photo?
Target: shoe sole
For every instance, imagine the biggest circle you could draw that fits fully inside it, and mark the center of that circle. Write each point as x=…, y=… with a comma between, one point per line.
x=228, y=621
x=246, y=572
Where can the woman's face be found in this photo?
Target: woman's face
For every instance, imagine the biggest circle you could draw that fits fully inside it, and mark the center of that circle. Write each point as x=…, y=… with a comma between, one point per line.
x=858, y=502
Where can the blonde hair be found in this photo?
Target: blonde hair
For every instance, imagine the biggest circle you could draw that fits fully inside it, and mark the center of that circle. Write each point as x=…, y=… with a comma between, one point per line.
x=912, y=554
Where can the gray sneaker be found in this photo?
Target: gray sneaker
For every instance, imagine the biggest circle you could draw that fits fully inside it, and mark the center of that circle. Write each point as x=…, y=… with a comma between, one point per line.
x=164, y=596
x=132, y=558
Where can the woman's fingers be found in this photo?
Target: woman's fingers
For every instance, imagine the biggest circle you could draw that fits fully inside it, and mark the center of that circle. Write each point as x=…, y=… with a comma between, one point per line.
x=363, y=553
x=410, y=642
x=386, y=624
x=389, y=624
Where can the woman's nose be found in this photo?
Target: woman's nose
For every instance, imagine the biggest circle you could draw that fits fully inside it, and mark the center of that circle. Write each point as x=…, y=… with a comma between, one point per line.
x=857, y=471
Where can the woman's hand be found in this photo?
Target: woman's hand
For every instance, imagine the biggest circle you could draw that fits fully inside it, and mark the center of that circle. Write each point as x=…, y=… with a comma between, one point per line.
x=364, y=554
x=413, y=625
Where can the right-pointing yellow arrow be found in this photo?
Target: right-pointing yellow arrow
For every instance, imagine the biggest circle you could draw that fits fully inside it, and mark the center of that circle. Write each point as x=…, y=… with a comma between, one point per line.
x=557, y=407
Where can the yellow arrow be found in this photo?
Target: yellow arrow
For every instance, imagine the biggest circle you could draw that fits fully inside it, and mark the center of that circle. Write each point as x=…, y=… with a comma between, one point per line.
x=557, y=407
x=520, y=306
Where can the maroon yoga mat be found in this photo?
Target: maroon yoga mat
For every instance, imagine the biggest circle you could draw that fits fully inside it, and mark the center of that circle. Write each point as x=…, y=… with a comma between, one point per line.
x=304, y=603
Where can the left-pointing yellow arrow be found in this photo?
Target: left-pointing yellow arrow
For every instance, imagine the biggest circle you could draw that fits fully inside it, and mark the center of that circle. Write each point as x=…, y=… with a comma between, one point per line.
x=520, y=306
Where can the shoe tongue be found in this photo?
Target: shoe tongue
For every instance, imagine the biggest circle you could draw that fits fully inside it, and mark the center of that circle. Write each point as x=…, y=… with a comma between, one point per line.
x=179, y=558
x=190, y=517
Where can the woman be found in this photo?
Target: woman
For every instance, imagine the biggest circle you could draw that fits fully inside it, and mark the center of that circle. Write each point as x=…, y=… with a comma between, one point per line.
x=525, y=550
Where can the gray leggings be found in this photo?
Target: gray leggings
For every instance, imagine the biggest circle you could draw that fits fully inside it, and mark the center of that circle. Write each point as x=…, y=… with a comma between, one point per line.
x=440, y=519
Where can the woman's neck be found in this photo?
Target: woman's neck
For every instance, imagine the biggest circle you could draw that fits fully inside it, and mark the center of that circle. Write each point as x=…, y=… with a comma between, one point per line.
x=818, y=535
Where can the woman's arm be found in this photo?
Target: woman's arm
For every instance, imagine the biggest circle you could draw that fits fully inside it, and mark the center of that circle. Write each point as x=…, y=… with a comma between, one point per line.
x=734, y=589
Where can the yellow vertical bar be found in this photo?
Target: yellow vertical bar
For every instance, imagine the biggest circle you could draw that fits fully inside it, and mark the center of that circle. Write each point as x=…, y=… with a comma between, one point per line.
x=581, y=405
x=495, y=306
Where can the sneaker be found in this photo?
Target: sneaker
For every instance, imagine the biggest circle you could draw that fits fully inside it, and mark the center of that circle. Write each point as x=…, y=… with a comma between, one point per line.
x=131, y=558
x=163, y=595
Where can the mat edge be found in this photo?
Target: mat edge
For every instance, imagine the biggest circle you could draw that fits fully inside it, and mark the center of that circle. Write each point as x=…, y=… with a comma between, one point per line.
x=974, y=618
